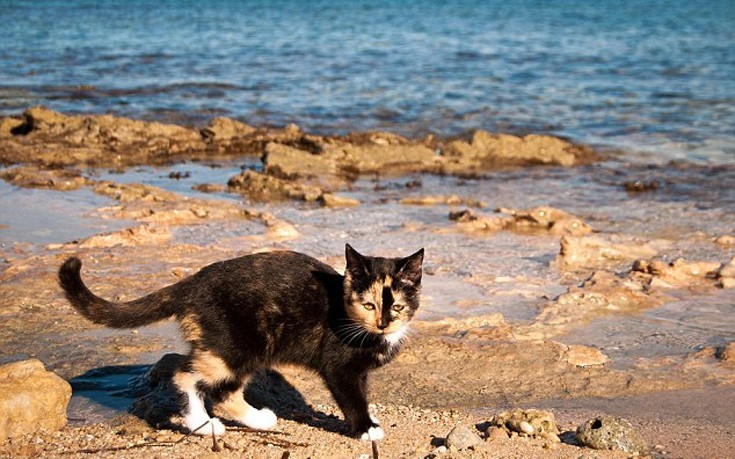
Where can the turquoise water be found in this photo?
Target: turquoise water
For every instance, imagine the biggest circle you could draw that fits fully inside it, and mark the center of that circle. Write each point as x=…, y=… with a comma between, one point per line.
x=654, y=77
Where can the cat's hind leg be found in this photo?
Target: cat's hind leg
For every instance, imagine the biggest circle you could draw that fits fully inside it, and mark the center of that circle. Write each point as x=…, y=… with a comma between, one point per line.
x=203, y=372
x=233, y=406
x=196, y=418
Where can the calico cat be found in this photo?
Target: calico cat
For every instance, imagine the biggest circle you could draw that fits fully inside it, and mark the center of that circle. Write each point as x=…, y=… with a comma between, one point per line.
x=265, y=309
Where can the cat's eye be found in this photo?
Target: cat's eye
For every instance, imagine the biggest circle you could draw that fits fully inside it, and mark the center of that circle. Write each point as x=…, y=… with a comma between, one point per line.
x=398, y=307
x=369, y=306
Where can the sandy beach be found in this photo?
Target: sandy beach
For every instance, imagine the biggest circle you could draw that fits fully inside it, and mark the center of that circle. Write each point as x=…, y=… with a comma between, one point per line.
x=557, y=279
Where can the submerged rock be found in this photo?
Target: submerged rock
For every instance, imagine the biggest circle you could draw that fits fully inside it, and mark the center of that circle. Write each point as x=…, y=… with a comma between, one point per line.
x=611, y=433
x=555, y=221
x=137, y=236
x=452, y=200
x=53, y=179
x=547, y=220
x=31, y=398
x=593, y=251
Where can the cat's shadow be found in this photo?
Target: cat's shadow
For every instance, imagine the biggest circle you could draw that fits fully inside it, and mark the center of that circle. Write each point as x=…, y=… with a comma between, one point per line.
x=150, y=395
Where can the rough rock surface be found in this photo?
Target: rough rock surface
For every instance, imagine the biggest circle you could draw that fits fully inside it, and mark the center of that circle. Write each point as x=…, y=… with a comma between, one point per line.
x=46, y=137
x=528, y=423
x=683, y=273
x=460, y=437
x=31, y=398
x=594, y=251
x=502, y=149
x=51, y=138
x=611, y=433
x=54, y=179
x=538, y=219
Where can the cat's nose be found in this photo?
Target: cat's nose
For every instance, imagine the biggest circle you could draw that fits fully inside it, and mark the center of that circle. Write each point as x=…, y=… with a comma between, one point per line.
x=382, y=326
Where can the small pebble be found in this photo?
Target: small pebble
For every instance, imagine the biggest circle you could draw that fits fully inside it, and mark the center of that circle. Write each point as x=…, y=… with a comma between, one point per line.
x=526, y=427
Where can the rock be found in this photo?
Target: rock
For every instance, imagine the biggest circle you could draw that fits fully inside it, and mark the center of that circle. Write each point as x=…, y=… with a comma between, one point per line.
x=460, y=437
x=502, y=149
x=384, y=158
x=8, y=126
x=583, y=356
x=54, y=179
x=452, y=200
x=591, y=251
x=281, y=230
x=129, y=192
x=220, y=129
x=529, y=423
x=726, y=355
x=462, y=216
x=292, y=163
x=546, y=218
x=725, y=241
x=495, y=433
x=140, y=235
x=263, y=187
x=611, y=433
x=333, y=200
x=158, y=400
x=31, y=398
x=640, y=186
x=681, y=273
x=726, y=275
x=52, y=138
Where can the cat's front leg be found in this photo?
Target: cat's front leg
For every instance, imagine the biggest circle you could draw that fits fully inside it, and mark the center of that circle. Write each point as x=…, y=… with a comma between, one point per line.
x=350, y=393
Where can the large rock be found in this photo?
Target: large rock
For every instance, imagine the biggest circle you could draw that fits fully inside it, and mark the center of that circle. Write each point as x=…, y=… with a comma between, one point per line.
x=31, y=398
x=499, y=149
x=460, y=437
x=611, y=433
x=49, y=138
x=293, y=163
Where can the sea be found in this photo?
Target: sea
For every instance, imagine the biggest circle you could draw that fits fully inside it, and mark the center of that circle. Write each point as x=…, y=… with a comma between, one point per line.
x=649, y=83
x=653, y=80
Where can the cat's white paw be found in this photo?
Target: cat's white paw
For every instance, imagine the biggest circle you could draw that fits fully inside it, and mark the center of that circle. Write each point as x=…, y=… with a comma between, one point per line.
x=199, y=425
x=262, y=419
x=373, y=433
x=215, y=427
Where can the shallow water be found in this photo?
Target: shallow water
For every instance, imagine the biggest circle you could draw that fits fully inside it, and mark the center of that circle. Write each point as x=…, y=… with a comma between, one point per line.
x=503, y=272
x=644, y=76
x=43, y=216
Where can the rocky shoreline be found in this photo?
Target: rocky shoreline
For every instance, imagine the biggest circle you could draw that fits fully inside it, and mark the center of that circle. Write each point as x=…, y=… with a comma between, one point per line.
x=452, y=369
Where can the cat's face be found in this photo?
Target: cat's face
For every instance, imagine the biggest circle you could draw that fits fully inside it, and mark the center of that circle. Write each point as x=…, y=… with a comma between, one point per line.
x=382, y=294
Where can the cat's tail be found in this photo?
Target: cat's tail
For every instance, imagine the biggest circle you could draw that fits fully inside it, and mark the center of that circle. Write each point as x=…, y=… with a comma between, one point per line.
x=151, y=308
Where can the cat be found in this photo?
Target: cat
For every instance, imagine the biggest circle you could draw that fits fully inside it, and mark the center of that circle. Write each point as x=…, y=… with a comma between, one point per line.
x=265, y=309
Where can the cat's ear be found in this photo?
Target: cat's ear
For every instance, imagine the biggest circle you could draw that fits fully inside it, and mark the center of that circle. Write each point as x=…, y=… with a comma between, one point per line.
x=356, y=265
x=410, y=268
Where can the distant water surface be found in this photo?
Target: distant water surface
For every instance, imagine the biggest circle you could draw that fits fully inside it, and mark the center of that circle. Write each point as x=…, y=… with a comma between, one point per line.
x=654, y=77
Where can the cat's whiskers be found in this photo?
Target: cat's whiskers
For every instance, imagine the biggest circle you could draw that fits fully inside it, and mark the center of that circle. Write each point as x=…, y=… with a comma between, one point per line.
x=351, y=331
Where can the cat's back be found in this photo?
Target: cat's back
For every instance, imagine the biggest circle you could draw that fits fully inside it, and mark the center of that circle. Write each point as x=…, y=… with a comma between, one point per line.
x=283, y=262
x=268, y=274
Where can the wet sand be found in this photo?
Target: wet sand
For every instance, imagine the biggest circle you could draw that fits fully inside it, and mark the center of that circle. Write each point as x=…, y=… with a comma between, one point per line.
x=509, y=319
